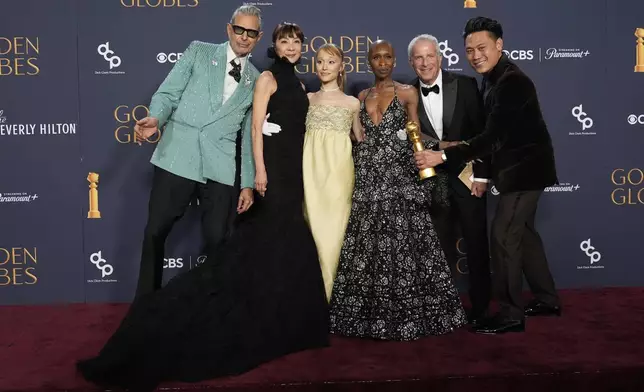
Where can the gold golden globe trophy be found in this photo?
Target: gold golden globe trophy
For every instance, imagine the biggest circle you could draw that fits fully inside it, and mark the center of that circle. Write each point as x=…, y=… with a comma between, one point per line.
x=413, y=132
x=639, y=51
x=469, y=4
x=93, y=212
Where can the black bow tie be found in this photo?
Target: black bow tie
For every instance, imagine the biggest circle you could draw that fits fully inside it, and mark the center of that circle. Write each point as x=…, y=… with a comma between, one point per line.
x=426, y=90
x=236, y=71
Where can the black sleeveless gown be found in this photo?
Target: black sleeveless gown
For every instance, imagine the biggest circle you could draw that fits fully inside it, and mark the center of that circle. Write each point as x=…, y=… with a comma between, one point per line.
x=258, y=297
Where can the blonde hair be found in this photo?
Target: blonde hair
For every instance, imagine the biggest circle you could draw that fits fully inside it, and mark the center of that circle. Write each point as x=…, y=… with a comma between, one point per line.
x=334, y=50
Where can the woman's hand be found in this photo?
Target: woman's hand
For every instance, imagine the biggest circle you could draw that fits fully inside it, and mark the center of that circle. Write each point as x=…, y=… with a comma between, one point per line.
x=261, y=181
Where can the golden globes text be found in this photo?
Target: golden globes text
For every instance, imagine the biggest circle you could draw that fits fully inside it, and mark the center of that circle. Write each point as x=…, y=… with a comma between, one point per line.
x=126, y=117
x=19, y=56
x=159, y=3
x=629, y=186
x=355, y=50
x=461, y=262
x=18, y=266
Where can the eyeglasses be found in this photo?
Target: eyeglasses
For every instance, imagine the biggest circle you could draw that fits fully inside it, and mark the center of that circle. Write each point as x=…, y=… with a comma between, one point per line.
x=240, y=31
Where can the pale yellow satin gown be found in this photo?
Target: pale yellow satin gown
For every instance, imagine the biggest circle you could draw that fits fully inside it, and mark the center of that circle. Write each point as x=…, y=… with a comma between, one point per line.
x=327, y=167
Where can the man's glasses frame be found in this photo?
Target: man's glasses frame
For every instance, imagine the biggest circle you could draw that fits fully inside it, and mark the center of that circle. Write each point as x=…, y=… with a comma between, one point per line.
x=239, y=30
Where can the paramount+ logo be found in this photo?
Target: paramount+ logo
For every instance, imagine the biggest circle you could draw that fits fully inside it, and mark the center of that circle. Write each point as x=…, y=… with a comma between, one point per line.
x=160, y=3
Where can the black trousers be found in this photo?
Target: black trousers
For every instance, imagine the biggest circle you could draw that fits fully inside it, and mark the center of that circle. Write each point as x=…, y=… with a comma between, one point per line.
x=169, y=199
x=517, y=251
x=471, y=213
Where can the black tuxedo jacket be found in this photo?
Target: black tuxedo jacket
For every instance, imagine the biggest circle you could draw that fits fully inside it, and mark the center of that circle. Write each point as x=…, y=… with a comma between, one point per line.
x=515, y=133
x=463, y=119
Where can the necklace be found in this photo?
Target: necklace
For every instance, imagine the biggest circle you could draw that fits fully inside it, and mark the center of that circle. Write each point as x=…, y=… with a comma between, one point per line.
x=331, y=89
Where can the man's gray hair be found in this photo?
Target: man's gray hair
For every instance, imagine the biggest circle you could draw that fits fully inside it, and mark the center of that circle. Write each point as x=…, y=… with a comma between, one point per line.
x=423, y=37
x=249, y=10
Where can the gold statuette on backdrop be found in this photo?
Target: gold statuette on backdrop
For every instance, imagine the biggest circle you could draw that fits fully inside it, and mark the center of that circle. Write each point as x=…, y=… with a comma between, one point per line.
x=639, y=50
x=413, y=132
x=469, y=4
x=93, y=212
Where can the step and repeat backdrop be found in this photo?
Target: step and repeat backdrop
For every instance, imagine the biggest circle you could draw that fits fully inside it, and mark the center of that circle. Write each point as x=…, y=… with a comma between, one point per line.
x=76, y=74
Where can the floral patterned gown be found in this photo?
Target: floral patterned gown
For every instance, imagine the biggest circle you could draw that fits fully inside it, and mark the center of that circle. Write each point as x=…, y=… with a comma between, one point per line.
x=393, y=281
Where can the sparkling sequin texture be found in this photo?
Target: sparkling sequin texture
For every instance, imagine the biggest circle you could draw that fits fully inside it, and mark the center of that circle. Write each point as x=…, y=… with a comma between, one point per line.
x=198, y=141
x=393, y=280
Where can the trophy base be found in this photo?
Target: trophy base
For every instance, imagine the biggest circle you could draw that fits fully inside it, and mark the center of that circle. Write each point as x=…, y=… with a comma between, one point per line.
x=427, y=173
x=639, y=68
x=94, y=215
x=469, y=4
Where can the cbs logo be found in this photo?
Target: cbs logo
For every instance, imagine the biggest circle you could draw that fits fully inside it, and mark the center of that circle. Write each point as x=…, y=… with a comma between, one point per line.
x=163, y=58
x=173, y=263
x=520, y=54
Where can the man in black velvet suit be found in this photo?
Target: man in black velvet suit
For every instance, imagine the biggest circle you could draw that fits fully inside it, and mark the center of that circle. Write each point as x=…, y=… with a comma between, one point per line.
x=450, y=110
x=522, y=165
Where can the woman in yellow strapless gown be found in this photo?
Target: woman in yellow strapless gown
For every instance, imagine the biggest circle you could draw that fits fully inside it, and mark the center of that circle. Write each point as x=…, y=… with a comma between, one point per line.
x=327, y=162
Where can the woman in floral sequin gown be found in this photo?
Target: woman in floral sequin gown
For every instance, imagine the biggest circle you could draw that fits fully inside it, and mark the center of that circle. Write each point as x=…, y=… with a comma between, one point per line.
x=393, y=281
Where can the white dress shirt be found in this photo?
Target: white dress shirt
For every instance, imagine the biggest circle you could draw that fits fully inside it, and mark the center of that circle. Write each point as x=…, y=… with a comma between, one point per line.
x=229, y=82
x=433, y=104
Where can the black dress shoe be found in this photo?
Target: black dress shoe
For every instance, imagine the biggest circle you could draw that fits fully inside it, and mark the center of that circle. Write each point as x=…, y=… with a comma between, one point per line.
x=476, y=318
x=538, y=308
x=499, y=325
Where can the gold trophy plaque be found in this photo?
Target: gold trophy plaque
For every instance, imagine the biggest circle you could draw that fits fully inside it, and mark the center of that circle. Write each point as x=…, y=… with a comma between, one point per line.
x=469, y=4
x=93, y=212
x=466, y=175
x=639, y=50
x=413, y=132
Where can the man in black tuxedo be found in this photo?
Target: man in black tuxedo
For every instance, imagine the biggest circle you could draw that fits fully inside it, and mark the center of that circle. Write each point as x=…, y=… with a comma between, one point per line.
x=522, y=166
x=450, y=110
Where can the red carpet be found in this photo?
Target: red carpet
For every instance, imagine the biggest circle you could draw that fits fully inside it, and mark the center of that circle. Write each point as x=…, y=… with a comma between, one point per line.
x=596, y=346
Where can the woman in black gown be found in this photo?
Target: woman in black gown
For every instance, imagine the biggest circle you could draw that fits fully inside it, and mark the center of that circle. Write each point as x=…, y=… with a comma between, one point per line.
x=261, y=295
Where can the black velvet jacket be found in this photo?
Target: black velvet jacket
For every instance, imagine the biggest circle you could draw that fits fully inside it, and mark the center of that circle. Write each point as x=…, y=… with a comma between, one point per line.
x=515, y=134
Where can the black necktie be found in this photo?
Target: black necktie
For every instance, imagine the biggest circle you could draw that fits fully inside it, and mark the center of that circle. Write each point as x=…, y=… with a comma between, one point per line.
x=426, y=90
x=236, y=71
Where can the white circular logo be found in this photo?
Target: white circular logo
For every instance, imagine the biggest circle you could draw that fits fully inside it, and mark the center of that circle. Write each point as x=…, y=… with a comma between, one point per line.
x=162, y=58
x=632, y=119
x=588, y=248
x=582, y=117
x=100, y=263
x=105, y=51
x=635, y=119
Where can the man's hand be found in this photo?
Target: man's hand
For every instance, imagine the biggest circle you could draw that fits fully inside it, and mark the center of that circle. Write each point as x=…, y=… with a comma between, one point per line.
x=145, y=128
x=428, y=158
x=269, y=128
x=245, y=200
x=479, y=188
